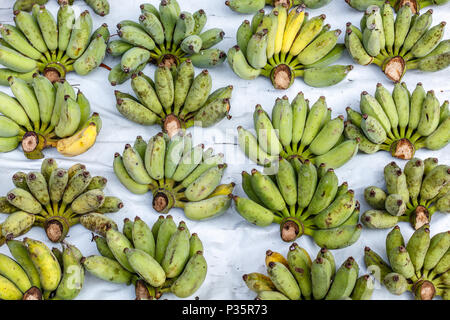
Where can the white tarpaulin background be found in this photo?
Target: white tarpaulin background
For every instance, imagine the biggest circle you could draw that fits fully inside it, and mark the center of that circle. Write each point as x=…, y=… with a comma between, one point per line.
x=232, y=245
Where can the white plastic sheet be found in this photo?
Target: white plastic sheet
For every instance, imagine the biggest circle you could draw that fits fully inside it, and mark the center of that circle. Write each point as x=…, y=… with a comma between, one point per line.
x=232, y=245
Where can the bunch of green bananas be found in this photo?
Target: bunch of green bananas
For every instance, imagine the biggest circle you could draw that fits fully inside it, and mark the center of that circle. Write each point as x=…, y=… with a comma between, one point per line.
x=401, y=122
x=157, y=260
x=100, y=7
x=297, y=278
x=38, y=42
x=303, y=200
x=177, y=174
x=165, y=36
x=175, y=100
x=252, y=6
x=416, y=5
x=46, y=115
x=398, y=45
x=38, y=273
x=413, y=195
x=284, y=44
x=422, y=266
x=297, y=130
x=54, y=199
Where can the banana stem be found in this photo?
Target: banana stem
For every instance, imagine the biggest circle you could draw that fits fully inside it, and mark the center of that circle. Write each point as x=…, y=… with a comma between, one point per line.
x=62, y=208
x=48, y=206
x=179, y=204
x=277, y=219
x=415, y=137
x=55, y=206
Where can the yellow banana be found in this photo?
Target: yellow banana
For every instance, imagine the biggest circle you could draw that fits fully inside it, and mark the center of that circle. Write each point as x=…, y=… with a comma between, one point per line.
x=14, y=272
x=79, y=142
x=272, y=256
x=45, y=262
x=282, y=18
x=293, y=25
x=307, y=33
x=8, y=291
x=222, y=190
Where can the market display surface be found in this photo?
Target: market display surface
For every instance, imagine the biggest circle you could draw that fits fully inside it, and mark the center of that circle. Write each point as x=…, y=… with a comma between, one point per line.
x=232, y=246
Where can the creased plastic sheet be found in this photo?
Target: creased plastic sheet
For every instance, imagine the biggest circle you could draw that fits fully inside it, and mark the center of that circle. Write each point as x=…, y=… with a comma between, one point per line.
x=232, y=246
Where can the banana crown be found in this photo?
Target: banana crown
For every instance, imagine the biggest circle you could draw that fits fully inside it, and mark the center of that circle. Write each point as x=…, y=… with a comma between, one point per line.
x=400, y=122
x=421, y=266
x=175, y=100
x=177, y=173
x=303, y=199
x=396, y=44
x=55, y=199
x=38, y=273
x=167, y=36
x=165, y=258
x=296, y=129
x=46, y=115
x=39, y=42
x=287, y=43
x=298, y=277
x=413, y=194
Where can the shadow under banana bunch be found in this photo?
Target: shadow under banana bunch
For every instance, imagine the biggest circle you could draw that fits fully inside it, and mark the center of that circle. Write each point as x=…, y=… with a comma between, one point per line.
x=283, y=45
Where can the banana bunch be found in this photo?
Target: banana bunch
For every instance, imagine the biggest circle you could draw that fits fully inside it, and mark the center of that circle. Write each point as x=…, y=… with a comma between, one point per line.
x=286, y=44
x=297, y=130
x=165, y=36
x=177, y=173
x=298, y=277
x=422, y=266
x=414, y=194
x=36, y=273
x=252, y=6
x=303, y=200
x=157, y=260
x=55, y=199
x=416, y=5
x=400, y=123
x=175, y=101
x=44, y=115
x=40, y=43
x=397, y=45
x=100, y=7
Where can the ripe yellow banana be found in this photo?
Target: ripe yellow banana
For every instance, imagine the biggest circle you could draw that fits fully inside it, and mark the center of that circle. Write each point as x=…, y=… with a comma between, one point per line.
x=293, y=25
x=79, y=142
x=46, y=264
x=222, y=190
x=282, y=18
